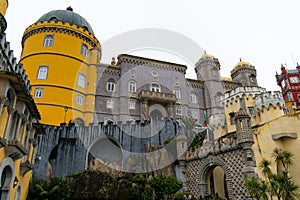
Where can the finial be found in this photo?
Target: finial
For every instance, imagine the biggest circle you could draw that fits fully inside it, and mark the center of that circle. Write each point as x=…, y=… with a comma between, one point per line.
x=240, y=59
x=204, y=51
x=113, y=61
x=70, y=8
x=297, y=64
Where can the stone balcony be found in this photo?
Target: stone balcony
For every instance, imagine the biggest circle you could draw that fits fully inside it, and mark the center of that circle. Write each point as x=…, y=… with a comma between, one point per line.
x=157, y=96
x=15, y=150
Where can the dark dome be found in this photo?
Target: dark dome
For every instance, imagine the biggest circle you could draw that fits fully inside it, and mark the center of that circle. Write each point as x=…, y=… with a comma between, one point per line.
x=67, y=16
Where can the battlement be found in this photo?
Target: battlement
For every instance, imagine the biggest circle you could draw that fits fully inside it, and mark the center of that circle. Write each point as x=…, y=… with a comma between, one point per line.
x=267, y=99
x=61, y=27
x=9, y=64
x=239, y=92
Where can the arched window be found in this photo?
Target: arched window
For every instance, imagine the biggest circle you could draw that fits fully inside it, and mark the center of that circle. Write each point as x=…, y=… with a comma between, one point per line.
x=131, y=86
x=193, y=98
x=18, y=193
x=38, y=93
x=42, y=73
x=6, y=179
x=84, y=50
x=178, y=110
x=155, y=87
x=48, y=40
x=177, y=93
x=111, y=85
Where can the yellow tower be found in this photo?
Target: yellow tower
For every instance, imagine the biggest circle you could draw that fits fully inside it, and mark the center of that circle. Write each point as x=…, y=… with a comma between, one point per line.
x=60, y=53
x=3, y=7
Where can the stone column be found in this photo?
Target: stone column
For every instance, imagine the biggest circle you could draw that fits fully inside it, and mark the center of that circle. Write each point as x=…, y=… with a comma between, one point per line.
x=170, y=111
x=10, y=110
x=144, y=111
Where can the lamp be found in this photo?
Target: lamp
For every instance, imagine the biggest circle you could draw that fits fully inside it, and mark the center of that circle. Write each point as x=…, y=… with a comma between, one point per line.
x=16, y=181
x=66, y=110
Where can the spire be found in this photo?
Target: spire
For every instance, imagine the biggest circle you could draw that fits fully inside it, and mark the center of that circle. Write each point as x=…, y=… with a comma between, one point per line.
x=70, y=8
x=240, y=59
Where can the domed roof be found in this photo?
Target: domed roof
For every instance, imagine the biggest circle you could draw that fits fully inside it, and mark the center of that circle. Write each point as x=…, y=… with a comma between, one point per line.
x=243, y=64
x=67, y=16
x=205, y=55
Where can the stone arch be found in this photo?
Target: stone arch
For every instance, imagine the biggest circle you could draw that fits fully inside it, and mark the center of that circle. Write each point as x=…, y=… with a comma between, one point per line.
x=7, y=174
x=110, y=152
x=159, y=109
x=209, y=164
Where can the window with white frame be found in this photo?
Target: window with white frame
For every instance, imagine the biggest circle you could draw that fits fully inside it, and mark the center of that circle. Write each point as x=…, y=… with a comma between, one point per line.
x=131, y=86
x=155, y=87
x=193, y=98
x=111, y=85
x=178, y=110
x=38, y=93
x=131, y=104
x=48, y=40
x=110, y=103
x=81, y=80
x=84, y=50
x=177, y=93
x=290, y=96
x=79, y=99
x=42, y=73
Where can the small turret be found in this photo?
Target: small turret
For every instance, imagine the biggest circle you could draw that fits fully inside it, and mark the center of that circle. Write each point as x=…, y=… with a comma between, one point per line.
x=245, y=139
x=244, y=73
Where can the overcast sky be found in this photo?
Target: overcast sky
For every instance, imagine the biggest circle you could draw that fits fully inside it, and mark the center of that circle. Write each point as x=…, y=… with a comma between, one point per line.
x=264, y=33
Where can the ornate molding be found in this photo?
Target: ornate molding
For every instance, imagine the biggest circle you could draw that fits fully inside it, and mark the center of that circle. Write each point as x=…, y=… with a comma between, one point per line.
x=15, y=150
x=157, y=96
x=25, y=167
x=195, y=83
x=3, y=24
x=151, y=63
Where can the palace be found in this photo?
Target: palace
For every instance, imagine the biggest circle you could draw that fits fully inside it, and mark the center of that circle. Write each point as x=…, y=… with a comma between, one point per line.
x=84, y=113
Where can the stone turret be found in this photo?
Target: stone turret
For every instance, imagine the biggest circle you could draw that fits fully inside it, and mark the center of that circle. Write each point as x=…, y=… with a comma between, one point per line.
x=244, y=73
x=245, y=139
x=208, y=71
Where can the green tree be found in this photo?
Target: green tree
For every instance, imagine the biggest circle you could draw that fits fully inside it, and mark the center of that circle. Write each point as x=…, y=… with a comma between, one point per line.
x=279, y=184
x=56, y=189
x=164, y=185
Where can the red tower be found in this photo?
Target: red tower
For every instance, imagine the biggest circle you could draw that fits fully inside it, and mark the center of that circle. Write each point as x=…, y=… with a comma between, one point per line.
x=289, y=81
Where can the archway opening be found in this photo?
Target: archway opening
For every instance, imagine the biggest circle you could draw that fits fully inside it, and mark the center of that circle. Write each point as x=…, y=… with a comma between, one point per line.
x=105, y=154
x=217, y=182
x=6, y=179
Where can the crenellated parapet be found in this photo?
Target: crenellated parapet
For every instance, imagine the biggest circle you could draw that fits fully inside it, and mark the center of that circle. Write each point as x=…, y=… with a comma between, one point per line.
x=60, y=27
x=207, y=59
x=223, y=144
x=268, y=99
x=234, y=95
x=151, y=63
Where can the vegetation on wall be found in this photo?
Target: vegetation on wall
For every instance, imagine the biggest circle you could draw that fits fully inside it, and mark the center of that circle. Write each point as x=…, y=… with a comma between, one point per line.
x=98, y=185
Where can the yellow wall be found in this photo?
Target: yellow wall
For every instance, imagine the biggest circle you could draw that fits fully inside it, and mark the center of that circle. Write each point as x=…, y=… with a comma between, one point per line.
x=65, y=62
x=3, y=6
x=264, y=144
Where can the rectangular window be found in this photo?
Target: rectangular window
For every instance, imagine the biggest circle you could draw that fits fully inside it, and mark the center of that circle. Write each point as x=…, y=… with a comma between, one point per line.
x=38, y=93
x=48, y=40
x=81, y=80
x=42, y=73
x=251, y=111
x=131, y=104
x=178, y=110
x=110, y=104
x=84, y=50
x=79, y=99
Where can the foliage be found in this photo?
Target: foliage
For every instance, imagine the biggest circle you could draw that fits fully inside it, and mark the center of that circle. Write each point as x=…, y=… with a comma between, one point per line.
x=164, y=185
x=93, y=185
x=56, y=189
x=280, y=184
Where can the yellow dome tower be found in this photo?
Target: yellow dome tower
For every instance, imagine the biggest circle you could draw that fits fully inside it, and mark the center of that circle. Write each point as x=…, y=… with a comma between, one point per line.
x=60, y=53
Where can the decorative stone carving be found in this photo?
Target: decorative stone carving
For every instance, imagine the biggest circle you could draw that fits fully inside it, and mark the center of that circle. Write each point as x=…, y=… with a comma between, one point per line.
x=15, y=150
